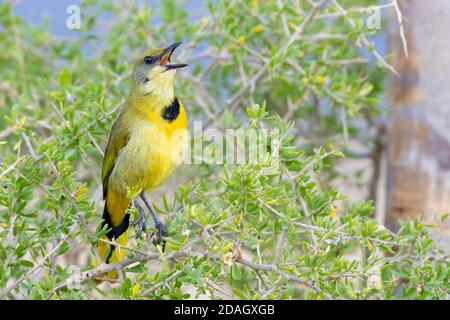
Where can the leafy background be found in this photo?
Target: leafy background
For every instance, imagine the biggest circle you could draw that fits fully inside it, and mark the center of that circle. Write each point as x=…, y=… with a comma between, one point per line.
x=308, y=69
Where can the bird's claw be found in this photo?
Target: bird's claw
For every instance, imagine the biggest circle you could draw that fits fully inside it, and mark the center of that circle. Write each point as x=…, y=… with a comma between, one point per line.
x=160, y=228
x=160, y=234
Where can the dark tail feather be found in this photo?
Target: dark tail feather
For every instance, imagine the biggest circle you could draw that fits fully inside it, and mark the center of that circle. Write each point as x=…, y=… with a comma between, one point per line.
x=114, y=231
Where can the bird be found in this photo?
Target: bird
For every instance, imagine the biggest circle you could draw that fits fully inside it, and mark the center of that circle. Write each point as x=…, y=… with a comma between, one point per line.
x=146, y=142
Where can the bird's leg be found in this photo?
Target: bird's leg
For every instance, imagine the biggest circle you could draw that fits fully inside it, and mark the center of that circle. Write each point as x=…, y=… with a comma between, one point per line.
x=141, y=223
x=159, y=225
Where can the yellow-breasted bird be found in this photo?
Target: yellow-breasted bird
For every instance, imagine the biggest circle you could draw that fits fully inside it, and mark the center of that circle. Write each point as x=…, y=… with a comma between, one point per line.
x=144, y=146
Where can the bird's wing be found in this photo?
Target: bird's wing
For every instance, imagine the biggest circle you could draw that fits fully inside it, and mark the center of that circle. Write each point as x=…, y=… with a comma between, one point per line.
x=118, y=139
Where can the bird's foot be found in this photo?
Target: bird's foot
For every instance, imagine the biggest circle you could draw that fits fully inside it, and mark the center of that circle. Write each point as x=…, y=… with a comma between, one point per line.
x=160, y=228
x=140, y=224
x=160, y=233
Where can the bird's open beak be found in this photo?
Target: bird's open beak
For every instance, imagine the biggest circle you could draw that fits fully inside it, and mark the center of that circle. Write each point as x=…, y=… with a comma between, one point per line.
x=165, y=57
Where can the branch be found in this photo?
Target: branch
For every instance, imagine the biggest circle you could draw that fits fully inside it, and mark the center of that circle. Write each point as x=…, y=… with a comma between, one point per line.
x=90, y=274
x=162, y=283
x=339, y=233
x=353, y=10
x=11, y=167
x=346, y=235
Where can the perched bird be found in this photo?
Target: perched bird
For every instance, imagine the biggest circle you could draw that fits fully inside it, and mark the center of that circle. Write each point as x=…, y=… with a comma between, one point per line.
x=145, y=145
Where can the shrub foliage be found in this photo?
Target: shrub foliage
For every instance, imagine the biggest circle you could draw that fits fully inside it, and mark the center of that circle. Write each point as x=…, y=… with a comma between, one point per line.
x=307, y=69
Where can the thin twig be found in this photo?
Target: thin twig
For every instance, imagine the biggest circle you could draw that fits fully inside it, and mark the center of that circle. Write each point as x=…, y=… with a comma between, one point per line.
x=364, y=39
x=160, y=284
x=400, y=25
x=11, y=167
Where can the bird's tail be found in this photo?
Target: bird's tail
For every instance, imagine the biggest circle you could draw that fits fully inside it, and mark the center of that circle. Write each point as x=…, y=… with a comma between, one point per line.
x=117, y=220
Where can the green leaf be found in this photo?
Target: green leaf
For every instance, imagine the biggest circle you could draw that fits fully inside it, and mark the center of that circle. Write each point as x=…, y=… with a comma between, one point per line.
x=239, y=293
x=236, y=272
x=64, y=248
x=64, y=77
x=26, y=263
x=126, y=288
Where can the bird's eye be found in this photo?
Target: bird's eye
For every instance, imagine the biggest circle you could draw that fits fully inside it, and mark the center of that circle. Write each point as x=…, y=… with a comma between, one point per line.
x=148, y=60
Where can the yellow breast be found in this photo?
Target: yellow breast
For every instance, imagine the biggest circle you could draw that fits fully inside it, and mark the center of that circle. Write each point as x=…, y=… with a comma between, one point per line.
x=155, y=148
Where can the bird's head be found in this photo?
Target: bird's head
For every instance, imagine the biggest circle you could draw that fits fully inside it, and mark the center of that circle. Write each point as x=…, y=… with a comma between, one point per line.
x=153, y=72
